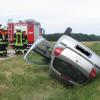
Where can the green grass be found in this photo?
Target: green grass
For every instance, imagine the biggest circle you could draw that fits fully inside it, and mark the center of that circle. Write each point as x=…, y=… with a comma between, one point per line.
x=95, y=46
x=20, y=80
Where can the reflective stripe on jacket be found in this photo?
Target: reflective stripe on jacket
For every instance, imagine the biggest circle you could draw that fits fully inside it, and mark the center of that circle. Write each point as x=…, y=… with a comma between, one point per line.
x=18, y=39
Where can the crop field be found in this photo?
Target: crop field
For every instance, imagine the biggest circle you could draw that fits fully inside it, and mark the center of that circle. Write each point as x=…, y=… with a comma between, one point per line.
x=20, y=80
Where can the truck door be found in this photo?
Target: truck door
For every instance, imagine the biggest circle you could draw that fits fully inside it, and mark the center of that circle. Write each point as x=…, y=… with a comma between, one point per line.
x=40, y=51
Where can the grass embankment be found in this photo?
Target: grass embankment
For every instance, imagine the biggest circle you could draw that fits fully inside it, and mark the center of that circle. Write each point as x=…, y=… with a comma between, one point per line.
x=20, y=80
x=95, y=46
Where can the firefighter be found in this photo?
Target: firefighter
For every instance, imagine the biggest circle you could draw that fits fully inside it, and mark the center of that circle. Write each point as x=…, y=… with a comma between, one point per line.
x=1, y=42
x=25, y=41
x=5, y=38
x=3, y=47
x=18, y=43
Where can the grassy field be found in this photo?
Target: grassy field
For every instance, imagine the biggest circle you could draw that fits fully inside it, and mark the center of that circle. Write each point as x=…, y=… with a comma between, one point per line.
x=95, y=46
x=20, y=80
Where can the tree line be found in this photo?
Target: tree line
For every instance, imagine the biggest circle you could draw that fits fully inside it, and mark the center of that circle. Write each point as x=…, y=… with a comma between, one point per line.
x=77, y=36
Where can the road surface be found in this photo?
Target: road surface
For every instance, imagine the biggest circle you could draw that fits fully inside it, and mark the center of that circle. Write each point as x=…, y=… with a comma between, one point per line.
x=11, y=53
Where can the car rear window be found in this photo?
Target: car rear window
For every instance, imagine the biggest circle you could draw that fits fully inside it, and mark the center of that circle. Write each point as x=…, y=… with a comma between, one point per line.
x=69, y=70
x=81, y=49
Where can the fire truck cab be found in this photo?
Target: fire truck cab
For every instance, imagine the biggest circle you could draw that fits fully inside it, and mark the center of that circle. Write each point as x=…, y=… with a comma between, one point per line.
x=31, y=27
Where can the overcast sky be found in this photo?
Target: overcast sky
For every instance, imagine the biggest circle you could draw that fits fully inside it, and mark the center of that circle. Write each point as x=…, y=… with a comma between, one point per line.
x=55, y=15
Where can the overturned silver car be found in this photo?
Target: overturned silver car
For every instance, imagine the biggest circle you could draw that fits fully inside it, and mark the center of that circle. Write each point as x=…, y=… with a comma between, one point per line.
x=69, y=60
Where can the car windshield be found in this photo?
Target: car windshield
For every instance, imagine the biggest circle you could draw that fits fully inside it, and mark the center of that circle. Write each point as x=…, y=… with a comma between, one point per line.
x=68, y=70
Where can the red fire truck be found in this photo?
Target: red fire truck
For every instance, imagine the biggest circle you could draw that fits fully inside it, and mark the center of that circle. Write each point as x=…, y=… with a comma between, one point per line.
x=31, y=27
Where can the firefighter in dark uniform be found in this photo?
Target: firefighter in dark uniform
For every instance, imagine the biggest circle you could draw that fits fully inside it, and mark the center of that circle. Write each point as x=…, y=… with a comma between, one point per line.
x=25, y=41
x=18, y=42
x=3, y=42
x=5, y=38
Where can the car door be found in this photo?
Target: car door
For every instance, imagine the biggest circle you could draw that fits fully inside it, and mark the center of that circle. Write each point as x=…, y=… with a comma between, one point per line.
x=40, y=51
